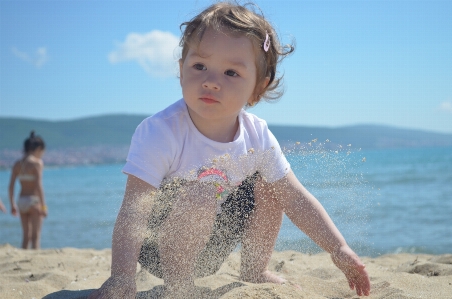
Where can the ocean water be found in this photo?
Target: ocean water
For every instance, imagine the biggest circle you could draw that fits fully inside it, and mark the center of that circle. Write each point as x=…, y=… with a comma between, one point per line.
x=383, y=201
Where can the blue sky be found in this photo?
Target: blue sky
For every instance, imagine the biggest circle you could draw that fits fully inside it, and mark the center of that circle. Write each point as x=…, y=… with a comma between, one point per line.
x=356, y=62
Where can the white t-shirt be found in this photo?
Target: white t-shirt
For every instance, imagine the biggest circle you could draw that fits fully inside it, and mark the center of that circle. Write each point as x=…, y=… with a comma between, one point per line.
x=168, y=146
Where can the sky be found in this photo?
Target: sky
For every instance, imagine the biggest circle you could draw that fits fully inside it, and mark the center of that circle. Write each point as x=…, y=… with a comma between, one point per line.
x=355, y=62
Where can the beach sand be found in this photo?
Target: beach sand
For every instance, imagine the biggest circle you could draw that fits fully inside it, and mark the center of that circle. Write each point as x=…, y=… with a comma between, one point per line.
x=73, y=273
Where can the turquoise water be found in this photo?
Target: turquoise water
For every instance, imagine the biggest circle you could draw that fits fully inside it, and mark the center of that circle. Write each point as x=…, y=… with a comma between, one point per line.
x=383, y=201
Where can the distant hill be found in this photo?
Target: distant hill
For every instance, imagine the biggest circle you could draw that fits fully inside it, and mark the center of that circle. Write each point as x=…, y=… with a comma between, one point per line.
x=91, y=140
x=106, y=138
x=117, y=129
x=364, y=136
x=114, y=129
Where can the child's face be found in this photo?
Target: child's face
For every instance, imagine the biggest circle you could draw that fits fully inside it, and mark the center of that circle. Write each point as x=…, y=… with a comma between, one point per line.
x=218, y=77
x=38, y=153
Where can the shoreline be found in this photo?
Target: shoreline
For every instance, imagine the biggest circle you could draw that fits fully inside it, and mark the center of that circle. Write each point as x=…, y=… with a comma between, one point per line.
x=73, y=273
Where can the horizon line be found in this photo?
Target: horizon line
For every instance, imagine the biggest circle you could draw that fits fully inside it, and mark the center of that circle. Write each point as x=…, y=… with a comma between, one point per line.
x=269, y=124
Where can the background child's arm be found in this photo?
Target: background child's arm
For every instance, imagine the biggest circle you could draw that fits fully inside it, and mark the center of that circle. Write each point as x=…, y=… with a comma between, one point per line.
x=38, y=170
x=128, y=236
x=306, y=212
x=12, y=180
x=2, y=207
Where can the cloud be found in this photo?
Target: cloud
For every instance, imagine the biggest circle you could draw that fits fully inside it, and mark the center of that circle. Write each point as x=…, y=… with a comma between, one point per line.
x=38, y=60
x=446, y=107
x=154, y=51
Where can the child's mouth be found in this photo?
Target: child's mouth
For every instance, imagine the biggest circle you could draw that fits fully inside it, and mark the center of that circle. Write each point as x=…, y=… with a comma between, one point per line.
x=208, y=100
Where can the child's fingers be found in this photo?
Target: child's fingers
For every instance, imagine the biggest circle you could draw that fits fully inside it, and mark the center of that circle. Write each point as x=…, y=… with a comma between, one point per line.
x=364, y=281
x=361, y=291
x=356, y=274
x=353, y=268
x=360, y=283
x=351, y=285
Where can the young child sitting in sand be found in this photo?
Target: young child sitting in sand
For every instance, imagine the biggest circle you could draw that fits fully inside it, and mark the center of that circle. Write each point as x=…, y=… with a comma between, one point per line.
x=204, y=174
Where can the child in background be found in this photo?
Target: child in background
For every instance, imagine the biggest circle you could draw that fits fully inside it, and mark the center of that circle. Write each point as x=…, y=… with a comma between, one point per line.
x=204, y=174
x=31, y=203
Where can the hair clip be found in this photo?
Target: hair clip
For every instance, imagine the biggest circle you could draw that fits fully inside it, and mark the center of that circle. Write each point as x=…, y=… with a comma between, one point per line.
x=266, y=44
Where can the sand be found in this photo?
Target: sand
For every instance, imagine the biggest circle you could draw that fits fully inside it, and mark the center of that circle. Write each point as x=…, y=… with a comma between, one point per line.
x=74, y=273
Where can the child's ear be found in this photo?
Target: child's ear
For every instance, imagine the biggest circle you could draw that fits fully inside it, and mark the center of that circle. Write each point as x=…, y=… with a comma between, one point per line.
x=262, y=87
x=259, y=92
x=265, y=83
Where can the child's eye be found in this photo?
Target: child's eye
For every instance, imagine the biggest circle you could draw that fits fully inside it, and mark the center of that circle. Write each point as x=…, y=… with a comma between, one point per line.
x=231, y=73
x=200, y=67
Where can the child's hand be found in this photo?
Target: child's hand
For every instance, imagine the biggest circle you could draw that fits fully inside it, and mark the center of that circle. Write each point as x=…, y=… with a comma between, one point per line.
x=350, y=264
x=116, y=287
x=43, y=211
x=2, y=207
x=14, y=210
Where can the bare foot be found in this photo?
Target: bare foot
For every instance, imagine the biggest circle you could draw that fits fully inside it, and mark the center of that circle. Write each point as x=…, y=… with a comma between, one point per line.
x=269, y=277
x=264, y=277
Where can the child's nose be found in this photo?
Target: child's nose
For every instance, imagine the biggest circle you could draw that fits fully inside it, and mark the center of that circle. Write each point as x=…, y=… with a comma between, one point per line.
x=211, y=82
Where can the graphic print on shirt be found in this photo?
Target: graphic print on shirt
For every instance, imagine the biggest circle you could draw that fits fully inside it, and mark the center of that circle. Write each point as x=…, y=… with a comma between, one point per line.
x=218, y=177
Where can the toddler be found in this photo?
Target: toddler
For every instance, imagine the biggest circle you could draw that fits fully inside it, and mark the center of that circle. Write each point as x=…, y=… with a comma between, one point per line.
x=204, y=174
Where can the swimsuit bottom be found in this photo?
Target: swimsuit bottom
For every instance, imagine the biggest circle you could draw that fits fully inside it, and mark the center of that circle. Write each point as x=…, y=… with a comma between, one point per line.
x=25, y=202
x=226, y=234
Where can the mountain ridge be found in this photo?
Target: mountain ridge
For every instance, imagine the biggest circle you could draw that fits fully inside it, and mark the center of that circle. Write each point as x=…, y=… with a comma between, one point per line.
x=117, y=129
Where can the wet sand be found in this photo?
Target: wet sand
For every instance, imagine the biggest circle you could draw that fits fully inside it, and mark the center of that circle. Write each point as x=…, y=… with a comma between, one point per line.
x=71, y=273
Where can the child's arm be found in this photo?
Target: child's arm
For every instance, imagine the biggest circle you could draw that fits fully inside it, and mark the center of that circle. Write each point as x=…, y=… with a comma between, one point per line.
x=2, y=207
x=12, y=181
x=306, y=212
x=38, y=169
x=128, y=236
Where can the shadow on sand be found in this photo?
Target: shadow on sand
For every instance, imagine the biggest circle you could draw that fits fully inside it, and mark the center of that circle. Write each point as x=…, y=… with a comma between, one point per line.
x=154, y=293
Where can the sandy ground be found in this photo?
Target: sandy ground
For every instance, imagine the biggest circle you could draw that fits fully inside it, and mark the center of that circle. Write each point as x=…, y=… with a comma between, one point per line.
x=73, y=273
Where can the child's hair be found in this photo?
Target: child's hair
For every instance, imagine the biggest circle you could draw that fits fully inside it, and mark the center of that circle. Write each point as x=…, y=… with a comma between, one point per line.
x=33, y=142
x=237, y=19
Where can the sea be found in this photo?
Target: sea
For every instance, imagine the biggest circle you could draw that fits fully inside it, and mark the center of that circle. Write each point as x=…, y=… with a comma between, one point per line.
x=383, y=201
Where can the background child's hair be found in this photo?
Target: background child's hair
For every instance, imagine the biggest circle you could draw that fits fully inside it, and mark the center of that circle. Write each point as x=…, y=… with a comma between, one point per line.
x=33, y=142
x=239, y=19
